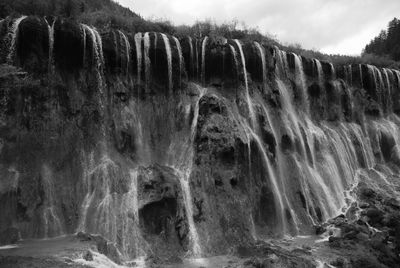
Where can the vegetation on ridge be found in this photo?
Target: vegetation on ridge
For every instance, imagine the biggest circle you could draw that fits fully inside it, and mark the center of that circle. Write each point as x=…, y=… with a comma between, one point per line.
x=105, y=14
x=387, y=43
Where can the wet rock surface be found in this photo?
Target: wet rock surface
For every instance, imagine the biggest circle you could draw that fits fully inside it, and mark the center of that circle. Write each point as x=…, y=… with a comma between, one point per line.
x=103, y=246
x=9, y=236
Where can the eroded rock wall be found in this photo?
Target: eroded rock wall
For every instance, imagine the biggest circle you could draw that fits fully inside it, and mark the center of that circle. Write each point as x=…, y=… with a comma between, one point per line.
x=165, y=146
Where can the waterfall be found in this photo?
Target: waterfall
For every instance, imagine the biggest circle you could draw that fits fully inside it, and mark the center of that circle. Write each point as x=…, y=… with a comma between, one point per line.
x=311, y=172
x=14, y=39
x=117, y=44
x=127, y=51
x=138, y=44
x=187, y=198
x=84, y=44
x=282, y=62
x=197, y=60
x=282, y=175
x=51, y=43
x=300, y=77
x=203, y=60
x=98, y=57
x=52, y=223
x=182, y=162
x=155, y=47
x=132, y=203
x=169, y=60
x=108, y=214
x=234, y=54
x=97, y=47
x=263, y=62
x=147, y=63
x=388, y=100
x=285, y=61
x=134, y=193
x=301, y=170
x=88, y=167
x=249, y=102
x=320, y=72
x=397, y=73
x=333, y=71
x=349, y=75
x=179, y=48
x=380, y=78
x=98, y=60
x=371, y=71
x=279, y=68
x=191, y=51
x=273, y=179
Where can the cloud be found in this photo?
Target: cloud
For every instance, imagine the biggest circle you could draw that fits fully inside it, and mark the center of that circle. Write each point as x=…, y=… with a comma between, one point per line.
x=333, y=26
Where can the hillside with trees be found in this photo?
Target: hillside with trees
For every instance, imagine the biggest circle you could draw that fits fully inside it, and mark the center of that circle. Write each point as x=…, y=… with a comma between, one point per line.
x=383, y=51
x=99, y=13
x=387, y=43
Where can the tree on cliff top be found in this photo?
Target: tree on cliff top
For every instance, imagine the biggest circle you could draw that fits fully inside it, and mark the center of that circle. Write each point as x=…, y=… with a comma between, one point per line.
x=387, y=43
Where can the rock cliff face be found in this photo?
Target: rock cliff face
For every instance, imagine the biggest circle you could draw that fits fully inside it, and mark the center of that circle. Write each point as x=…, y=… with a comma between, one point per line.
x=166, y=146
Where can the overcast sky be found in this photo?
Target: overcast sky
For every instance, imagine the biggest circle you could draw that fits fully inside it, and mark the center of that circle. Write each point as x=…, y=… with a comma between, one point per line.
x=331, y=26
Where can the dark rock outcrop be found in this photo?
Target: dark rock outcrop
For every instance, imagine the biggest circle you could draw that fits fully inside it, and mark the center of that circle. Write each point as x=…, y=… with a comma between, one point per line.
x=9, y=236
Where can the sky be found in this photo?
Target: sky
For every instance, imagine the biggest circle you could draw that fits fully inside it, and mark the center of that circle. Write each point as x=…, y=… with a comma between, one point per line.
x=330, y=26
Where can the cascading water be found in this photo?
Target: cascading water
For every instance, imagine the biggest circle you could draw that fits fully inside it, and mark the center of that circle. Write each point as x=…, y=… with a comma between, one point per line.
x=98, y=68
x=203, y=60
x=272, y=177
x=333, y=70
x=246, y=83
x=300, y=77
x=134, y=192
x=320, y=72
x=300, y=171
x=282, y=66
x=233, y=51
x=332, y=172
x=83, y=29
x=281, y=174
x=263, y=62
x=51, y=43
x=14, y=39
x=192, y=64
x=179, y=48
x=155, y=47
x=182, y=162
x=51, y=220
x=147, y=63
x=349, y=75
x=127, y=51
x=138, y=45
x=116, y=217
x=197, y=59
x=169, y=60
x=88, y=167
x=97, y=49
